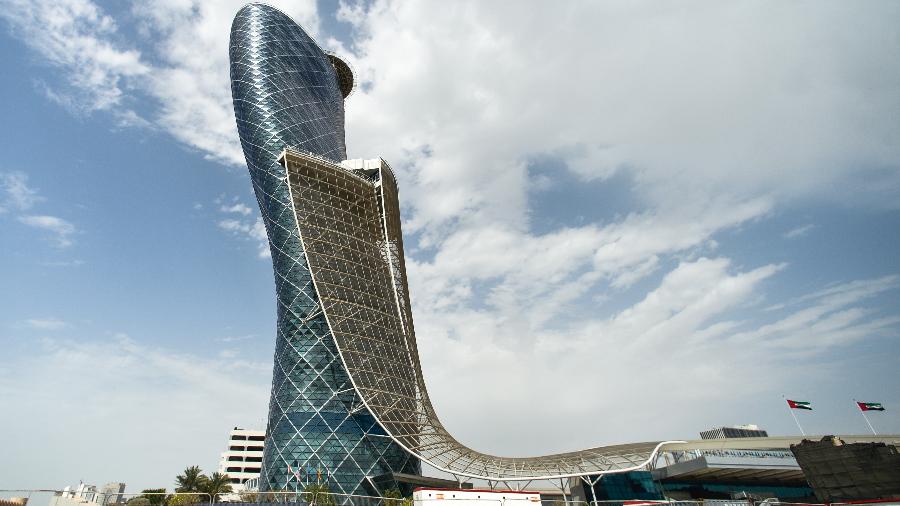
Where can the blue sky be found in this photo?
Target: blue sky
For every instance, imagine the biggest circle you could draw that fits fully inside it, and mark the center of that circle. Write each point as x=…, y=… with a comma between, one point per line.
x=639, y=221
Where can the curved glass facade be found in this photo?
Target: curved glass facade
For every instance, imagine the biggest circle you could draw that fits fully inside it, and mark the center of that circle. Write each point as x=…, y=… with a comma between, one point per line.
x=286, y=94
x=348, y=397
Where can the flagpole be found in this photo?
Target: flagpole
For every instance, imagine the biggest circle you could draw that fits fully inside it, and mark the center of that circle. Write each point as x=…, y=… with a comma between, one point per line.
x=866, y=418
x=791, y=411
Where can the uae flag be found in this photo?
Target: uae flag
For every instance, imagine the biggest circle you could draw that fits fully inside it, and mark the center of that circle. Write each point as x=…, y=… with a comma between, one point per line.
x=799, y=405
x=870, y=406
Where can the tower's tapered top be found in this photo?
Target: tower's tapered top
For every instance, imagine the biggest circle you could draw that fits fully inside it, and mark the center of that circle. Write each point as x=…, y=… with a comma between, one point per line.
x=287, y=92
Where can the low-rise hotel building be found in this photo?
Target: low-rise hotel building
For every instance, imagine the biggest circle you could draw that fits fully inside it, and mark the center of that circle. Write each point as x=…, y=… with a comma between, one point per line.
x=242, y=459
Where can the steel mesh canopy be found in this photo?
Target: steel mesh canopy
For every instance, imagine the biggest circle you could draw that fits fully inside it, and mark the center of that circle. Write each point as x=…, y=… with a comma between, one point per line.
x=349, y=224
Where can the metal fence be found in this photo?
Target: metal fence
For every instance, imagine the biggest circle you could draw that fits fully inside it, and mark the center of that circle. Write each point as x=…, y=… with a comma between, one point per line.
x=52, y=497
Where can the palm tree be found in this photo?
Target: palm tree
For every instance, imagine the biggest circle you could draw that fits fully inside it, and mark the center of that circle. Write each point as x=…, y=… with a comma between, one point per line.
x=216, y=484
x=193, y=480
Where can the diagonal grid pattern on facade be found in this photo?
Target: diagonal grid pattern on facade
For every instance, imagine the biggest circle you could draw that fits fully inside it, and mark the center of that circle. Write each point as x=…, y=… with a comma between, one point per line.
x=348, y=395
x=283, y=95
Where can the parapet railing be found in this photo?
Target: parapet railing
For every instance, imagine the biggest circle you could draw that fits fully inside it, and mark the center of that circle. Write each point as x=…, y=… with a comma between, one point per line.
x=318, y=498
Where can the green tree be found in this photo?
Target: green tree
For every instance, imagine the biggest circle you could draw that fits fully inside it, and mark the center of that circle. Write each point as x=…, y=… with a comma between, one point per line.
x=193, y=480
x=183, y=500
x=260, y=497
x=138, y=501
x=216, y=484
x=156, y=496
x=393, y=497
x=318, y=494
x=250, y=497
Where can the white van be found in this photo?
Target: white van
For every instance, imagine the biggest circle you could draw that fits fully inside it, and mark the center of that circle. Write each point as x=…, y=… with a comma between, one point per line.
x=474, y=497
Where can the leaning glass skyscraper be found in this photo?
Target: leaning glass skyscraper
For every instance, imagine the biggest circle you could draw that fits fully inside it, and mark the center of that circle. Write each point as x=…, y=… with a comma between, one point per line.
x=349, y=402
x=286, y=93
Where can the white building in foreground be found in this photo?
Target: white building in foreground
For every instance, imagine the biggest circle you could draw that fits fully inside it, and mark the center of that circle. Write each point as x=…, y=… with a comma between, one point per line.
x=242, y=459
x=90, y=495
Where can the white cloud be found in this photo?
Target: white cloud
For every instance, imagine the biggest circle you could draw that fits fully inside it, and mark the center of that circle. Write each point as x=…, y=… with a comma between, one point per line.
x=77, y=36
x=827, y=318
x=61, y=229
x=46, y=323
x=192, y=83
x=557, y=271
x=64, y=263
x=184, y=73
x=514, y=315
x=711, y=135
x=233, y=226
x=245, y=228
x=813, y=101
x=695, y=337
x=253, y=230
x=690, y=150
x=16, y=194
x=798, y=231
x=238, y=208
x=136, y=398
x=234, y=339
x=767, y=110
